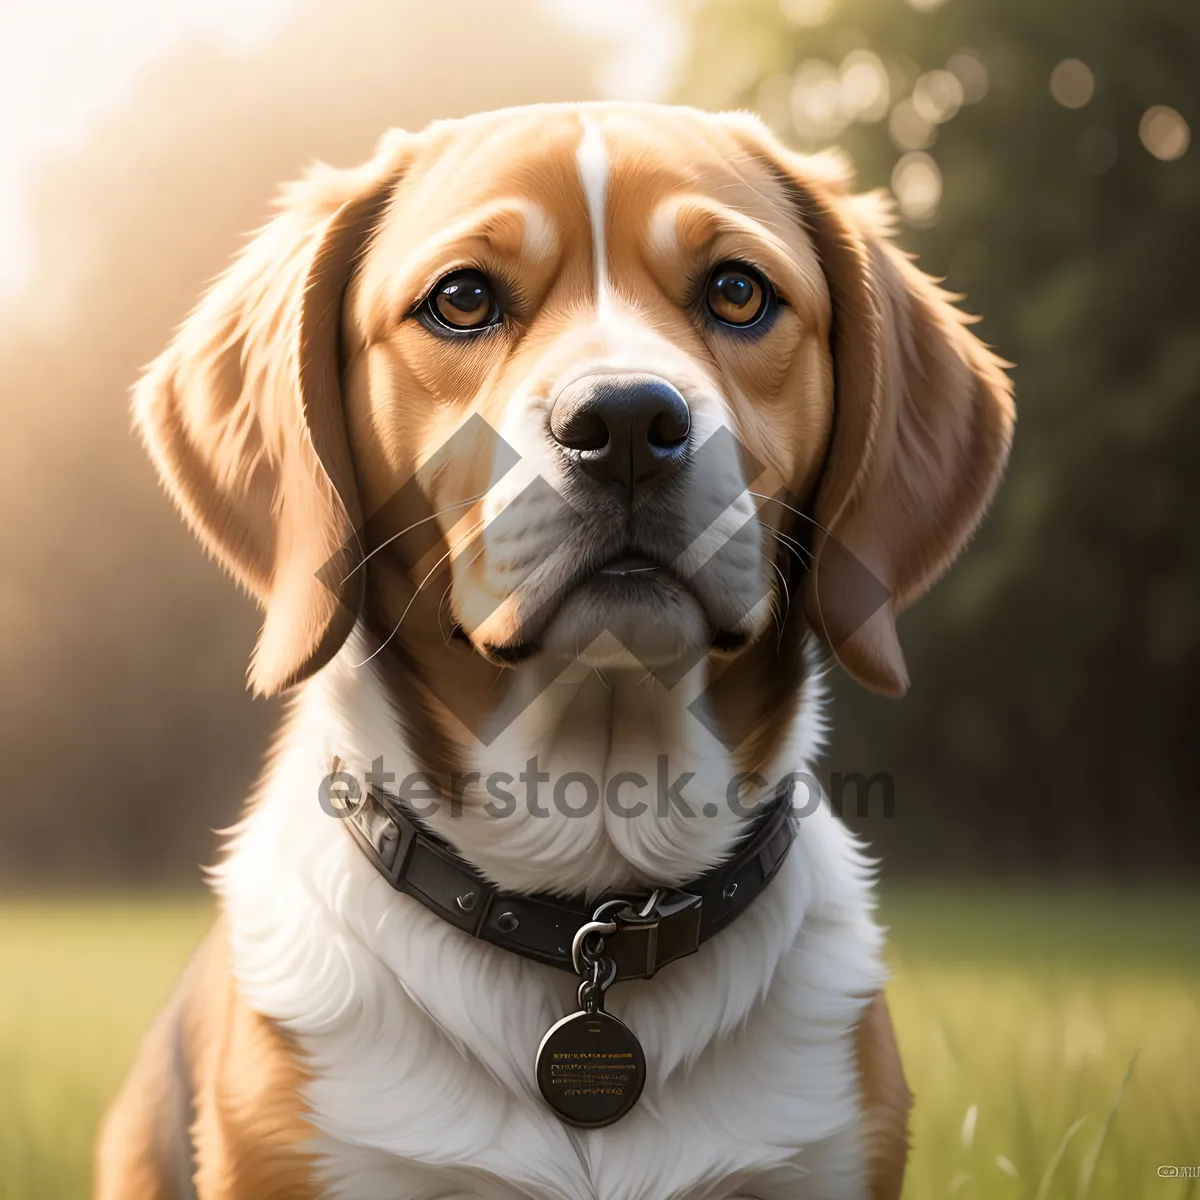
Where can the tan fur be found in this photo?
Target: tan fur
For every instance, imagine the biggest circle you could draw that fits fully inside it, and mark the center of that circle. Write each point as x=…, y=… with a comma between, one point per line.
x=886, y=1102
x=243, y=1085
x=136, y=1157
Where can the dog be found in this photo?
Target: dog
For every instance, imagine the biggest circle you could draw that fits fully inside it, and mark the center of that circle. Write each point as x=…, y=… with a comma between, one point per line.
x=563, y=448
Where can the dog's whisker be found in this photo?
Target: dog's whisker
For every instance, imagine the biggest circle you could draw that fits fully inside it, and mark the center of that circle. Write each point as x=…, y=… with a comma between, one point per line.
x=442, y=604
x=788, y=544
x=778, y=622
x=420, y=587
x=408, y=529
x=791, y=508
x=787, y=598
x=801, y=553
x=814, y=560
x=449, y=587
x=793, y=544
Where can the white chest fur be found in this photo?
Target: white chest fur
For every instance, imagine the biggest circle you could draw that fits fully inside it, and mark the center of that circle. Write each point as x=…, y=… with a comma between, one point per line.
x=421, y=1040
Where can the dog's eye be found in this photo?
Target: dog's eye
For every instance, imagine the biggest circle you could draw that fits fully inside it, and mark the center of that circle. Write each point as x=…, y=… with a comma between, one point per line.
x=737, y=294
x=464, y=301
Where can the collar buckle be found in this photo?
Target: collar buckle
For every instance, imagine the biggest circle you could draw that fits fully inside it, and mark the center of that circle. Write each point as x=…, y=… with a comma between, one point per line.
x=665, y=928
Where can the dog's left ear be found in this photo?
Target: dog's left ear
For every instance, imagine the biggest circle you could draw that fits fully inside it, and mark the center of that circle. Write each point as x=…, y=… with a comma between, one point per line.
x=922, y=424
x=243, y=418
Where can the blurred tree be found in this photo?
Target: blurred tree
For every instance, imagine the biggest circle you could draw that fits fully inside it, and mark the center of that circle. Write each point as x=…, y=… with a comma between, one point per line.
x=1039, y=154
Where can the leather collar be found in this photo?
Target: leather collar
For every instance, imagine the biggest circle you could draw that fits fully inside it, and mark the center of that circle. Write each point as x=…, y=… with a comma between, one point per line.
x=652, y=929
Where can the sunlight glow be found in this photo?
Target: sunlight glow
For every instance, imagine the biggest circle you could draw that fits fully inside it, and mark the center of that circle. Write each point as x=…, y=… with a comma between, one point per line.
x=65, y=63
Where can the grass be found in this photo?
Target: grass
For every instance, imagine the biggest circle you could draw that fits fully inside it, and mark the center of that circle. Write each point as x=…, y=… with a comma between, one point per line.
x=80, y=981
x=1052, y=1042
x=1052, y=1039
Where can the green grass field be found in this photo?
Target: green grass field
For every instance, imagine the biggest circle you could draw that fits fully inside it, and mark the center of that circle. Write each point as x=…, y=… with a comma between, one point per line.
x=1052, y=1040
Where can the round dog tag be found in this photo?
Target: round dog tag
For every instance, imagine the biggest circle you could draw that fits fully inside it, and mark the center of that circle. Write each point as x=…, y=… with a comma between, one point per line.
x=591, y=1069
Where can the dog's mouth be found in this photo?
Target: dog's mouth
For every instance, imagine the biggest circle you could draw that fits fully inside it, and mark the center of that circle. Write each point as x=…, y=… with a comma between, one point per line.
x=630, y=563
x=630, y=610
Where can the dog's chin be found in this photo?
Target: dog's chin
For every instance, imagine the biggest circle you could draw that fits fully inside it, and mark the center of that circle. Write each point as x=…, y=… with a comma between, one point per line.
x=644, y=617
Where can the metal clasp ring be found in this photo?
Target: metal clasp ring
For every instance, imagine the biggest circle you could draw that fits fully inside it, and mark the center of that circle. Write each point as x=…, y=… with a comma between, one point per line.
x=597, y=925
x=595, y=986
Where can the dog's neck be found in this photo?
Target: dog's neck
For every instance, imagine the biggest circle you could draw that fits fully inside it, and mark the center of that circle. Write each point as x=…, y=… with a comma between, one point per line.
x=578, y=782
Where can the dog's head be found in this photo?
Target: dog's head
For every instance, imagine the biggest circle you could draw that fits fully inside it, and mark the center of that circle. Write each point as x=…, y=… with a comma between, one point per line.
x=630, y=383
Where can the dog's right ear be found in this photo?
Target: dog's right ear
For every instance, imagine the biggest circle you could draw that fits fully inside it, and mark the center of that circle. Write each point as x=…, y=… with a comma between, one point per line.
x=242, y=416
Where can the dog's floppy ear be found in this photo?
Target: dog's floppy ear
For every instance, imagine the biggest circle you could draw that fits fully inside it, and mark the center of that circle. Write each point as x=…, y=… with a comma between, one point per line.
x=922, y=424
x=242, y=415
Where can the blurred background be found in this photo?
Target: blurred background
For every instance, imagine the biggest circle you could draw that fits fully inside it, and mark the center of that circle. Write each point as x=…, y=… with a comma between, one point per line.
x=1040, y=155
x=1039, y=152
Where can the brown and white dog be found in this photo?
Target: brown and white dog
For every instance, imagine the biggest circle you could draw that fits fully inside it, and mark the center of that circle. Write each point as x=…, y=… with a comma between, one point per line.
x=593, y=293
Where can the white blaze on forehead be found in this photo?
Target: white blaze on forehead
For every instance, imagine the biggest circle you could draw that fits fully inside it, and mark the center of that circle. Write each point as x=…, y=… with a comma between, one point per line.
x=591, y=157
x=538, y=236
x=664, y=227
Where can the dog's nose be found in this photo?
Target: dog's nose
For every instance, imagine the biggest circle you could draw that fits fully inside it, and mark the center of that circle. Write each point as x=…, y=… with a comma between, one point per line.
x=625, y=428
